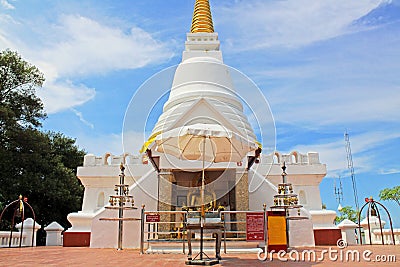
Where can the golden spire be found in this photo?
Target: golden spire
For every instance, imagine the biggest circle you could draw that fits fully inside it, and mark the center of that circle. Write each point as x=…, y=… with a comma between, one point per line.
x=202, y=20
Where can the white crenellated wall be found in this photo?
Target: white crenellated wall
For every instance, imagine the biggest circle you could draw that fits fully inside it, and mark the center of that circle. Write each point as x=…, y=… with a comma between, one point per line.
x=305, y=172
x=100, y=174
x=293, y=157
x=104, y=233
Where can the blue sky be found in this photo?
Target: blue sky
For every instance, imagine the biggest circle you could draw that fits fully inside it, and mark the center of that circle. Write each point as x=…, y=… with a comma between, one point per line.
x=324, y=66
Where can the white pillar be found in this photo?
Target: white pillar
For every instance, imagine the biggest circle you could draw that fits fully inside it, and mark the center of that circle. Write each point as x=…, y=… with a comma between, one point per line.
x=28, y=231
x=53, y=234
x=347, y=228
x=373, y=224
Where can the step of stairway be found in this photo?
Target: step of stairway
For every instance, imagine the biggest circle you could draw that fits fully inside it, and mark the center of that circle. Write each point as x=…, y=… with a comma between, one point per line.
x=208, y=246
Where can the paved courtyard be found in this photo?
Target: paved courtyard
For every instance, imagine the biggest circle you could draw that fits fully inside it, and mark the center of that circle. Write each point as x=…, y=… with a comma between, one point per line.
x=60, y=256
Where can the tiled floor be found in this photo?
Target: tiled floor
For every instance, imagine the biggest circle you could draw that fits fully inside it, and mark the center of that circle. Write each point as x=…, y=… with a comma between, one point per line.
x=59, y=256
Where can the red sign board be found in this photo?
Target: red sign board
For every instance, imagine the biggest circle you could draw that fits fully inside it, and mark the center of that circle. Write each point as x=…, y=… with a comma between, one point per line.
x=255, y=228
x=153, y=218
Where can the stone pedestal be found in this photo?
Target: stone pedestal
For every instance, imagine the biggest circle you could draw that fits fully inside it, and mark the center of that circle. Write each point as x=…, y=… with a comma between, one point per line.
x=326, y=233
x=301, y=232
x=30, y=229
x=53, y=234
x=348, y=231
x=79, y=234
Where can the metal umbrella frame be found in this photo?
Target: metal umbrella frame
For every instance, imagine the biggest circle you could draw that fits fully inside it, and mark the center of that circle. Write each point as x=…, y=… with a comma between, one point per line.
x=19, y=206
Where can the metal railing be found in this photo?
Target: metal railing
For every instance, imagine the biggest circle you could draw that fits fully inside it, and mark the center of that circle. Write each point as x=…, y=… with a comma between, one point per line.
x=158, y=231
x=234, y=228
x=170, y=226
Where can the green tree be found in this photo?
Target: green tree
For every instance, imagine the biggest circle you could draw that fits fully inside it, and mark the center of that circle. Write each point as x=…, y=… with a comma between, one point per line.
x=347, y=212
x=39, y=165
x=19, y=106
x=391, y=194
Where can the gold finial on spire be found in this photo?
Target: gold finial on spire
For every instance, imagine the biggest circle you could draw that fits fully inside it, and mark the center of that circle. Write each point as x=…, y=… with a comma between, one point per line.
x=202, y=20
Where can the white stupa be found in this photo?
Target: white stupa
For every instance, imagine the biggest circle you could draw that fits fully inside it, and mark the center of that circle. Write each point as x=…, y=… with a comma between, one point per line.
x=202, y=92
x=202, y=89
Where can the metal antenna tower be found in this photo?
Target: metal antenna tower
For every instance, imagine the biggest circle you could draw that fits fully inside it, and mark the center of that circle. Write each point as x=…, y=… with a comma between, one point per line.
x=339, y=192
x=351, y=168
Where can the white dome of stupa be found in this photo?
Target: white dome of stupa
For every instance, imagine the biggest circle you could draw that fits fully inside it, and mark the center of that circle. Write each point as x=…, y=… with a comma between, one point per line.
x=202, y=89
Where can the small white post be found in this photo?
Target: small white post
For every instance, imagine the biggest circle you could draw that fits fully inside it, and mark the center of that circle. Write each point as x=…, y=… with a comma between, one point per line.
x=374, y=225
x=28, y=231
x=347, y=228
x=53, y=234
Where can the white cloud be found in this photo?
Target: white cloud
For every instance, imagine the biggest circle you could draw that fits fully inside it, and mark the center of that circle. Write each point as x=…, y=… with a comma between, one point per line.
x=133, y=141
x=100, y=144
x=332, y=106
x=84, y=46
x=81, y=118
x=79, y=46
x=6, y=5
x=5, y=22
x=333, y=154
x=291, y=23
x=389, y=171
x=59, y=96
